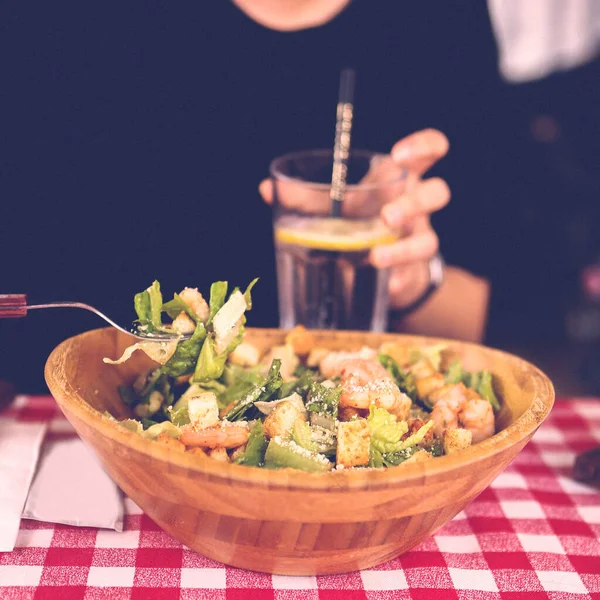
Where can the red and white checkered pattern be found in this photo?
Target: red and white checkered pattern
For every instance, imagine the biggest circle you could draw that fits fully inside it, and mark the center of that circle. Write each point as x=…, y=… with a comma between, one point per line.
x=535, y=533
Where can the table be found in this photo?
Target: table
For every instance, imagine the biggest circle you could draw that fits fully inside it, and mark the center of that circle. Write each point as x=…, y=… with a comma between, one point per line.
x=533, y=534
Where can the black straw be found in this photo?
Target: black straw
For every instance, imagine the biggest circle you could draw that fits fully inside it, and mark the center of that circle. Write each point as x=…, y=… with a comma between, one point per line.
x=341, y=149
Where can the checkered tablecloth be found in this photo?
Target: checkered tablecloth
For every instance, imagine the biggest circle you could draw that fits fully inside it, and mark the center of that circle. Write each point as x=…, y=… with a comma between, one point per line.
x=535, y=533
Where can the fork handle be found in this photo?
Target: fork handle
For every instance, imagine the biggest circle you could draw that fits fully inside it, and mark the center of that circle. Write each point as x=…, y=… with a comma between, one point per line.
x=13, y=306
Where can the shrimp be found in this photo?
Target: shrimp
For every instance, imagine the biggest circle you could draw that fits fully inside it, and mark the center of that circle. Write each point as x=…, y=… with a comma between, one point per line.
x=183, y=324
x=196, y=302
x=333, y=363
x=366, y=382
x=230, y=435
x=477, y=416
x=448, y=402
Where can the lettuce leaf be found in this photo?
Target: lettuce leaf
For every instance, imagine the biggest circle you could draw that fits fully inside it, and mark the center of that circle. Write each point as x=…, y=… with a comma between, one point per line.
x=238, y=382
x=456, y=373
x=486, y=389
x=254, y=454
x=431, y=353
x=186, y=354
x=148, y=307
x=323, y=400
x=417, y=437
x=403, y=379
x=177, y=305
x=159, y=428
x=218, y=291
x=386, y=431
x=210, y=365
x=179, y=416
x=247, y=294
x=480, y=381
x=263, y=391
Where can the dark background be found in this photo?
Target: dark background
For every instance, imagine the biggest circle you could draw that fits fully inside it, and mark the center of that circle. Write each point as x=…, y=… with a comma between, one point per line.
x=133, y=138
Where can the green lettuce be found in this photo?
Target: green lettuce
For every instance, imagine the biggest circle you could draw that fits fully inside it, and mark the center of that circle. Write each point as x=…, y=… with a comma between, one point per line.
x=302, y=435
x=254, y=454
x=264, y=391
x=486, y=389
x=148, y=307
x=179, y=416
x=431, y=353
x=480, y=381
x=301, y=385
x=218, y=291
x=403, y=379
x=323, y=400
x=186, y=355
x=386, y=431
x=456, y=373
x=157, y=429
x=177, y=305
x=248, y=295
x=238, y=381
x=210, y=365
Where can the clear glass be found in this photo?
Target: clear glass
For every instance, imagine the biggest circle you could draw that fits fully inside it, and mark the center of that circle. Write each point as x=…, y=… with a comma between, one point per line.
x=325, y=279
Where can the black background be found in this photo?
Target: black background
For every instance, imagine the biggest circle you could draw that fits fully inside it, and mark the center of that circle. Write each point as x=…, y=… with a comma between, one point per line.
x=133, y=138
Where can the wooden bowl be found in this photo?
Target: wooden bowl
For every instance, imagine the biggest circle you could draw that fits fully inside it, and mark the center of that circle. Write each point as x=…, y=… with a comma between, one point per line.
x=290, y=522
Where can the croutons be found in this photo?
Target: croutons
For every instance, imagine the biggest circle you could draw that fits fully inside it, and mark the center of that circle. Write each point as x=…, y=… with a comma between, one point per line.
x=203, y=410
x=245, y=355
x=413, y=426
x=354, y=442
x=348, y=413
x=219, y=454
x=401, y=354
x=167, y=440
x=426, y=385
x=289, y=360
x=422, y=368
x=282, y=419
x=315, y=357
x=183, y=323
x=301, y=340
x=196, y=451
x=456, y=439
x=417, y=457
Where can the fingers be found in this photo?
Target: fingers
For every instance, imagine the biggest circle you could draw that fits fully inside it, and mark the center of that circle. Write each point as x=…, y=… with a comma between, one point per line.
x=420, y=150
x=428, y=196
x=265, y=189
x=420, y=246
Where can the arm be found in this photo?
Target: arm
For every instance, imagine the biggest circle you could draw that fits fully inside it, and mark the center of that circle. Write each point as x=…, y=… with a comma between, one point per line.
x=458, y=309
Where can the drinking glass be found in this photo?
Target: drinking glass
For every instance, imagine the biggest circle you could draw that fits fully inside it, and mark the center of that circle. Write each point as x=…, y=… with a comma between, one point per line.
x=324, y=276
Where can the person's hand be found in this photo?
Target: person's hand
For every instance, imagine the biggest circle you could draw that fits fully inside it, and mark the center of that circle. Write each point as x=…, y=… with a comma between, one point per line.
x=409, y=212
x=409, y=256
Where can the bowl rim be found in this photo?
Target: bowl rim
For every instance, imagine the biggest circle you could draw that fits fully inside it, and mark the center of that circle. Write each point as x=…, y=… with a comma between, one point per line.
x=519, y=431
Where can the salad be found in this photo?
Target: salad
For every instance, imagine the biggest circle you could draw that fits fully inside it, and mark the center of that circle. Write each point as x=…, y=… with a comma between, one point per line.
x=295, y=406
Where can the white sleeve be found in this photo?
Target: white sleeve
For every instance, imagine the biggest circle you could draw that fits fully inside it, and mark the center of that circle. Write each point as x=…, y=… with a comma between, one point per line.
x=538, y=37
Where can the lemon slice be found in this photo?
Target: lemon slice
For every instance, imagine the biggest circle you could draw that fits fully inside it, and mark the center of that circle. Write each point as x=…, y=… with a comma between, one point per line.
x=333, y=234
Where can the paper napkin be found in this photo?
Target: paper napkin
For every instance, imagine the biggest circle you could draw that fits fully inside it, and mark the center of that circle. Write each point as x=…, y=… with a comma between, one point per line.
x=19, y=449
x=71, y=487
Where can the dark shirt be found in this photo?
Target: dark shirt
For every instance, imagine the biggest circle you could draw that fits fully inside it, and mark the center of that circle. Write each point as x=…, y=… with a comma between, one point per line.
x=134, y=137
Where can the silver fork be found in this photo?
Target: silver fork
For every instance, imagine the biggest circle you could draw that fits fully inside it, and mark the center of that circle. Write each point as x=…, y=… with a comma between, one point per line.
x=15, y=305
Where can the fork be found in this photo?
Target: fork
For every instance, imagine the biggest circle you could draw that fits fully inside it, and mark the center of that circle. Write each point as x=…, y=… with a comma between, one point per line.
x=13, y=306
